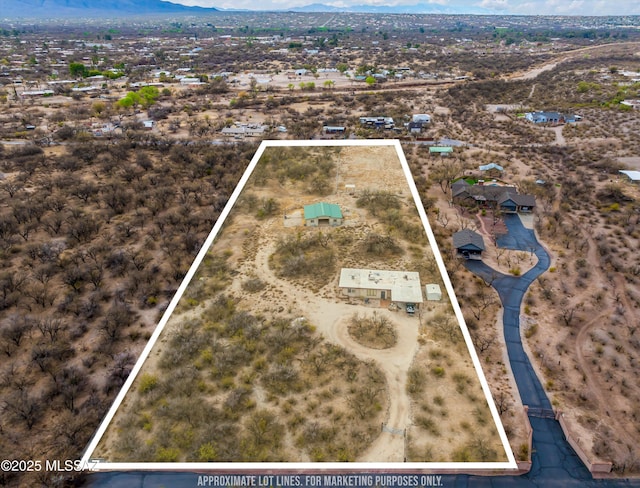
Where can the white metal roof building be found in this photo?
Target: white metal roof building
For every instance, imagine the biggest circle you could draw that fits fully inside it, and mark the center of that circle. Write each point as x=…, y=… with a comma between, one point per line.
x=402, y=286
x=632, y=175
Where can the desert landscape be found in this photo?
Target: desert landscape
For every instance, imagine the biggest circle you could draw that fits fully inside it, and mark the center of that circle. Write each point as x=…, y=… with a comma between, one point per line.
x=108, y=191
x=313, y=357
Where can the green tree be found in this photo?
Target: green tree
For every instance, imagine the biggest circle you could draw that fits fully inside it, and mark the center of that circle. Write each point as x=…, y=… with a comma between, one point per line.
x=148, y=95
x=370, y=80
x=77, y=69
x=131, y=99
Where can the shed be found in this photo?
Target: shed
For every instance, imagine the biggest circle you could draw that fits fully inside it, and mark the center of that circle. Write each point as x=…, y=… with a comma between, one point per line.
x=632, y=175
x=441, y=150
x=322, y=213
x=433, y=292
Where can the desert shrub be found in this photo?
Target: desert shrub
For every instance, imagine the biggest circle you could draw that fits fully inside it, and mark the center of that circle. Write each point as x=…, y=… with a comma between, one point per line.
x=375, y=202
x=147, y=382
x=375, y=331
x=379, y=245
x=415, y=381
x=438, y=371
x=253, y=285
x=304, y=255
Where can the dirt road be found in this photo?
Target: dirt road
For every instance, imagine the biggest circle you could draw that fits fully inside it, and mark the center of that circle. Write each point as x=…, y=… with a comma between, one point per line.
x=534, y=71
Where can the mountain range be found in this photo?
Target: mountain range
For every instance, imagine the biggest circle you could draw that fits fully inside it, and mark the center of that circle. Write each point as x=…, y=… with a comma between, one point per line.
x=92, y=8
x=48, y=9
x=419, y=8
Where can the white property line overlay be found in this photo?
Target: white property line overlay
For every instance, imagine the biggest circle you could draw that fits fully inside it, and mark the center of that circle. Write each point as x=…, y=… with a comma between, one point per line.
x=462, y=466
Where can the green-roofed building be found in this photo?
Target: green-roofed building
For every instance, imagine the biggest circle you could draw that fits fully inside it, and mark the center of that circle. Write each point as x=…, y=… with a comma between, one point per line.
x=322, y=214
x=441, y=150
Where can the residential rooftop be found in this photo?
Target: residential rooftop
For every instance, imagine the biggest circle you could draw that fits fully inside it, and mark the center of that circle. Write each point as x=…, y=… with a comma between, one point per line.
x=403, y=285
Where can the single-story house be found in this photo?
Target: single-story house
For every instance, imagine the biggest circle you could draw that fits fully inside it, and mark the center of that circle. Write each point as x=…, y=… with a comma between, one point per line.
x=415, y=127
x=481, y=194
x=333, y=129
x=321, y=214
x=37, y=93
x=506, y=198
x=401, y=287
x=424, y=118
x=514, y=203
x=378, y=122
x=244, y=130
x=468, y=244
x=551, y=117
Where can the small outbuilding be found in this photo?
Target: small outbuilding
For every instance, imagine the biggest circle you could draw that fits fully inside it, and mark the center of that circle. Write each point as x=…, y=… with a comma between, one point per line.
x=433, y=292
x=633, y=176
x=468, y=244
x=441, y=150
x=322, y=214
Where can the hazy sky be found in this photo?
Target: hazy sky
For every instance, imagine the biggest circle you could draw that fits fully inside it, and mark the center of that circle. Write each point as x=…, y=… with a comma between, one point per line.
x=527, y=7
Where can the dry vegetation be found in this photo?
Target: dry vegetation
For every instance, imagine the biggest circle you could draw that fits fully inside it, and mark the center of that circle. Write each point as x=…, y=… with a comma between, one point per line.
x=276, y=358
x=93, y=245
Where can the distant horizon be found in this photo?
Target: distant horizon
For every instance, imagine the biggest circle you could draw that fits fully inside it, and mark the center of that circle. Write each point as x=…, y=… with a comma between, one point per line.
x=583, y=8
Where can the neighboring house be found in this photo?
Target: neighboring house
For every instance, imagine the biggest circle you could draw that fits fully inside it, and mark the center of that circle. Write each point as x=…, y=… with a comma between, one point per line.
x=244, y=130
x=468, y=244
x=459, y=185
x=514, y=203
x=190, y=80
x=37, y=93
x=424, y=118
x=506, y=198
x=551, y=117
x=378, y=122
x=482, y=195
x=415, y=127
x=400, y=287
x=322, y=214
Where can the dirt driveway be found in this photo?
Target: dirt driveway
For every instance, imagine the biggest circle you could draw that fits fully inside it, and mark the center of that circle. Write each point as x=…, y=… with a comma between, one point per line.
x=331, y=319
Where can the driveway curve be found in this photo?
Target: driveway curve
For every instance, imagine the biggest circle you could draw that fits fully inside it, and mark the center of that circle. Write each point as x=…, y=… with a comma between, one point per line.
x=553, y=458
